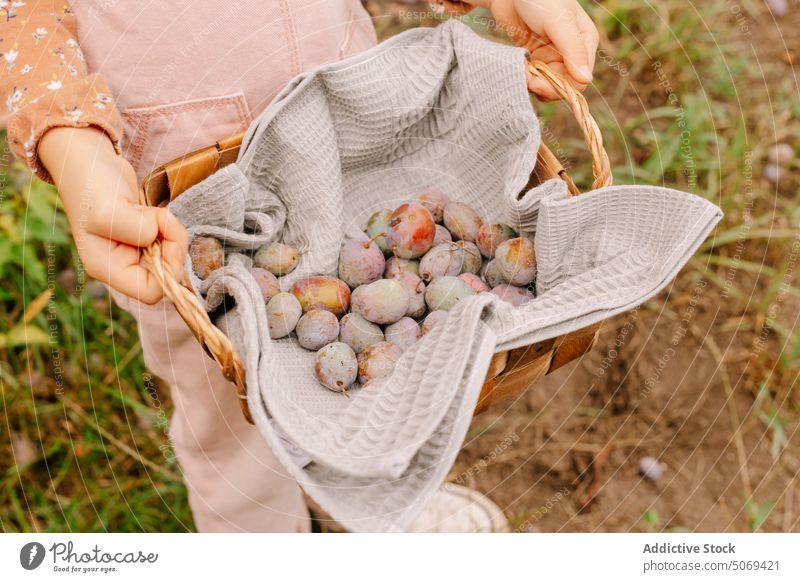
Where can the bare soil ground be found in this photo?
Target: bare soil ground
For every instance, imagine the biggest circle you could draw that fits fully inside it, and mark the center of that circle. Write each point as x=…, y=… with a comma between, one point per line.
x=632, y=397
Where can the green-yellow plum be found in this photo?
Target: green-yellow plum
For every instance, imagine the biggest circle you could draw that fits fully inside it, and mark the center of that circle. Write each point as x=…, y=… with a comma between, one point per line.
x=378, y=229
x=445, y=292
x=321, y=292
x=277, y=258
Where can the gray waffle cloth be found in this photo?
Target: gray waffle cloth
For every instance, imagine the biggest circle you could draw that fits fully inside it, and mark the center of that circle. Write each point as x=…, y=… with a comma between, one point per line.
x=430, y=108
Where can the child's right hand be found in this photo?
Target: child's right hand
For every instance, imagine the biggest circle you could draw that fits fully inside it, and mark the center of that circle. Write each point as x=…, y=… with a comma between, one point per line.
x=100, y=195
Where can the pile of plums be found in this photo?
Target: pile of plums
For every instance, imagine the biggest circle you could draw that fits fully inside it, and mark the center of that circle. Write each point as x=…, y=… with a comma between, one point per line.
x=394, y=284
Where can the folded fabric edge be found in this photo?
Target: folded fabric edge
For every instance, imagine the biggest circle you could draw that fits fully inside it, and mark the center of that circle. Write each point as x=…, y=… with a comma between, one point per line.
x=711, y=216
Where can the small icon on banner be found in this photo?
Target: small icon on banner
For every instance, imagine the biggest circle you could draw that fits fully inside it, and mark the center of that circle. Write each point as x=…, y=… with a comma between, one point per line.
x=31, y=555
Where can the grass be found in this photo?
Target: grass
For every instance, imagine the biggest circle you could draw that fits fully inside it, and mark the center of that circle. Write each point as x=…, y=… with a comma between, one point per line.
x=83, y=440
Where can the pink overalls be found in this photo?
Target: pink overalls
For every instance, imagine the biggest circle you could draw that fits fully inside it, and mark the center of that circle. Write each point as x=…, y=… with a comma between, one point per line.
x=186, y=74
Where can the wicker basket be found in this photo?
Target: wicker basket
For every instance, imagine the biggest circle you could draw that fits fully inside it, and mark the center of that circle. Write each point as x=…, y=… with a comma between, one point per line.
x=510, y=372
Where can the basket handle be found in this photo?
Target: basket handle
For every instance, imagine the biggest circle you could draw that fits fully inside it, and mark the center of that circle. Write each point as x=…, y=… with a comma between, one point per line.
x=217, y=344
x=188, y=306
x=601, y=167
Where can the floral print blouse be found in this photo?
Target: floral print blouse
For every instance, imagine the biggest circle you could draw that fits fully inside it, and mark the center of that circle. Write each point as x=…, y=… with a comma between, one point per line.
x=44, y=80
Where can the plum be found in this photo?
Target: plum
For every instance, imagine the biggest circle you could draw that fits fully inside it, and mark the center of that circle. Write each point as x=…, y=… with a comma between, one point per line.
x=781, y=154
x=320, y=292
x=490, y=236
x=378, y=229
x=267, y=283
x=472, y=259
x=411, y=231
x=442, y=235
x=277, y=258
x=445, y=292
x=283, y=313
x=475, y=282
x=207, y=255
x=358, y=333
x=432, y=320
x=516, y=296
x=404, y=333
x=462, y=221
x=377, y=361
x=395, y=265
x=441, y=260
x=360, y=262
x=336, y=367
x=435, y=202
x=491, y=274
x=384, y=301
x=317, y=328
x=416, y=293
x=650, y=468
x=516, y=261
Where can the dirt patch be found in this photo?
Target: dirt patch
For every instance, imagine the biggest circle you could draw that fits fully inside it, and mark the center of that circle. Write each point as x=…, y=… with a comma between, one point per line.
x=652, y=387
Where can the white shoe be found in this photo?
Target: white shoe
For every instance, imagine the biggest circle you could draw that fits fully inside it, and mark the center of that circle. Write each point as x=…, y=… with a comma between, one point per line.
x=457, y=509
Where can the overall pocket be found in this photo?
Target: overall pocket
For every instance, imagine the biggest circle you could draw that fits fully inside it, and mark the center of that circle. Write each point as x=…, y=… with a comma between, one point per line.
x=160, y=133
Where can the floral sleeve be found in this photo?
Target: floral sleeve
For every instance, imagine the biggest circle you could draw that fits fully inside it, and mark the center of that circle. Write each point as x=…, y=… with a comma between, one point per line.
x=44, y=81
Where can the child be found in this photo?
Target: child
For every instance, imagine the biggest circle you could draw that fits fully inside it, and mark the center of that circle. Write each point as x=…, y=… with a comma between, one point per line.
x=86, y=82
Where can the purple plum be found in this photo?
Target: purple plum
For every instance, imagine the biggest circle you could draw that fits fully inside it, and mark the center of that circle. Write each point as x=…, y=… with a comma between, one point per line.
x=360, y=262
x=317, y=328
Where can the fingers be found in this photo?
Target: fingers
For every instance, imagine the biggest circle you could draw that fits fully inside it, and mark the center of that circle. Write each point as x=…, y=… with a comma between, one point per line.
x=174, y=244
x=111, y=209
x=121, y=267
x=542, y=89
x=590, y=36
x=563, y=30
x=120, y=220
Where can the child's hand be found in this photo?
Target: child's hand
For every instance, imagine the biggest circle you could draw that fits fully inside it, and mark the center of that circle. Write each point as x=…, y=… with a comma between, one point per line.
x=557, y=32
x=100, y=195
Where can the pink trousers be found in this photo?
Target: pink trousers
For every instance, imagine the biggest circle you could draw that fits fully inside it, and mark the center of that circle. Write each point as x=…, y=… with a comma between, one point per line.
x=186, y=73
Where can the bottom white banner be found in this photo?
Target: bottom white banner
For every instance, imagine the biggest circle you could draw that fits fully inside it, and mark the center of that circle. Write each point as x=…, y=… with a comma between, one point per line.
x=380, y=558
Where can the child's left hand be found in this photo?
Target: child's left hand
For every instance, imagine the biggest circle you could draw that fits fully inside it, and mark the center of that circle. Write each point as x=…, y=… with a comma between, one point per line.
x=558, y=32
